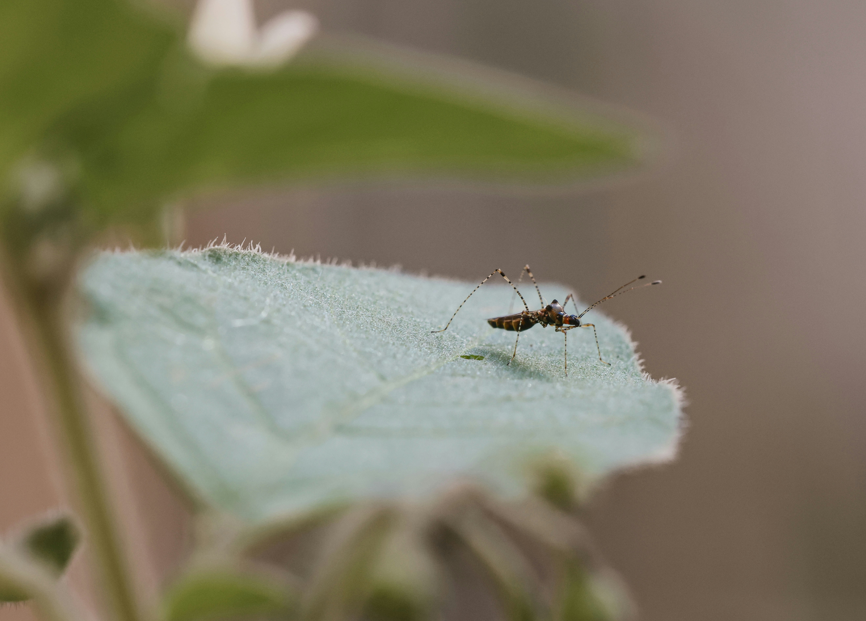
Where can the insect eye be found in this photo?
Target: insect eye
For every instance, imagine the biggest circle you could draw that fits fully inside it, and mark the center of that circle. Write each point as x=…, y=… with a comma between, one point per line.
x=548, y=308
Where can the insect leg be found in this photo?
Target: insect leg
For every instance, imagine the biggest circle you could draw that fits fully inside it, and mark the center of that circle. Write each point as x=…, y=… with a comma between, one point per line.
x=565, y=349
x=511, y=304
x=537, y=290
x=573, y=303
x=564, y=331
x=592, y=325
x=496, y=271
x=514, y=353
x=526, y=270
x=585, y=325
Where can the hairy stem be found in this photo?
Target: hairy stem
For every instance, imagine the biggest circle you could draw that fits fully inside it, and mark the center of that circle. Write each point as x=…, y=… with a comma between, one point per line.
x=81, y=452
x=38, y=302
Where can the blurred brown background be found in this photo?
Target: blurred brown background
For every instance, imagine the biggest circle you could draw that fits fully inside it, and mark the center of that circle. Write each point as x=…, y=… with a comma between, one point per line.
x=756, y=222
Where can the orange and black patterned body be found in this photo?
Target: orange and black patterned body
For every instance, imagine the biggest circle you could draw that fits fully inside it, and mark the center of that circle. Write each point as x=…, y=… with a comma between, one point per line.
x=518, y=322
x=551, y=315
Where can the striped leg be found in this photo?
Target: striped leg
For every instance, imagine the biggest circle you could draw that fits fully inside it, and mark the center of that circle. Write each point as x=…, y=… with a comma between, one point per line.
x=514, y=353
x=565, y=334
x=496, y=271
x=597, y=346
x=526, y=270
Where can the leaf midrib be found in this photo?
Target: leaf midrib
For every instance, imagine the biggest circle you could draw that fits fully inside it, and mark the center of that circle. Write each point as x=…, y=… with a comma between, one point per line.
x=357, y=405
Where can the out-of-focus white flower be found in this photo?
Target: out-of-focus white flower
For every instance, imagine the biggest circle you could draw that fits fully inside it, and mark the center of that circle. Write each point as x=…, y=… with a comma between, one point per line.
x=223, y=32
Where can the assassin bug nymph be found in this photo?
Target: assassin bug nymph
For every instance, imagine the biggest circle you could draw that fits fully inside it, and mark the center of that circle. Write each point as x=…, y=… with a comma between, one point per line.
x=551, y=315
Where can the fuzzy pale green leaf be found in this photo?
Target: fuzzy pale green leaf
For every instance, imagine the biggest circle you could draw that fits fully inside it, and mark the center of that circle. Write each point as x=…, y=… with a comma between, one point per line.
x=272, y=385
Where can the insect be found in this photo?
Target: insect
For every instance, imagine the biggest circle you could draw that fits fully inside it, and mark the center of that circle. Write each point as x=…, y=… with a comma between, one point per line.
x=552, y=314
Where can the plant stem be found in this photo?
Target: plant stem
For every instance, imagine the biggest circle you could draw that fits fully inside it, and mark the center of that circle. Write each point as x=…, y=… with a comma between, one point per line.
x=42, y=240
x=81, y=452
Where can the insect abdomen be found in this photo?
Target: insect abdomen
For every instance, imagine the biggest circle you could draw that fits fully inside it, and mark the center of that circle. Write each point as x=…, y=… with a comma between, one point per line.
x=512, y=323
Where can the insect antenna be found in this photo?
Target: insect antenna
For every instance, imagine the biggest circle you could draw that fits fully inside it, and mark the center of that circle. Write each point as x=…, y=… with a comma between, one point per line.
x=496, y=271
x=620, y=292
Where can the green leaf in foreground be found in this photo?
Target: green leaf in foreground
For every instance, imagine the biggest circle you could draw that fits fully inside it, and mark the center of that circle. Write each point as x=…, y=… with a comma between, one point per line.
x=38, y=553
x=222, y=593
x=270, y=385
x=52, y=542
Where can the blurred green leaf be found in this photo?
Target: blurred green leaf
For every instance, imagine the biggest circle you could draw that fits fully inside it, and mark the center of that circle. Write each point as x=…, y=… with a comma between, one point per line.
x=272, y=385
x=519, y=590
x=404, y=578
x=585, y=596
x=52, y=542
x=340, y=578
x=222, y=592
x=320, y=121
x=107, y=92
x=59, y=58
x=39, y=551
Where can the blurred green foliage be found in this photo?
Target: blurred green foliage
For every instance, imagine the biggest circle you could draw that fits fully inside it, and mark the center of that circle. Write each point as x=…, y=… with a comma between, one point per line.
x=106, y=91
x=52, y=542
x=44, y=546
x=218, y=591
